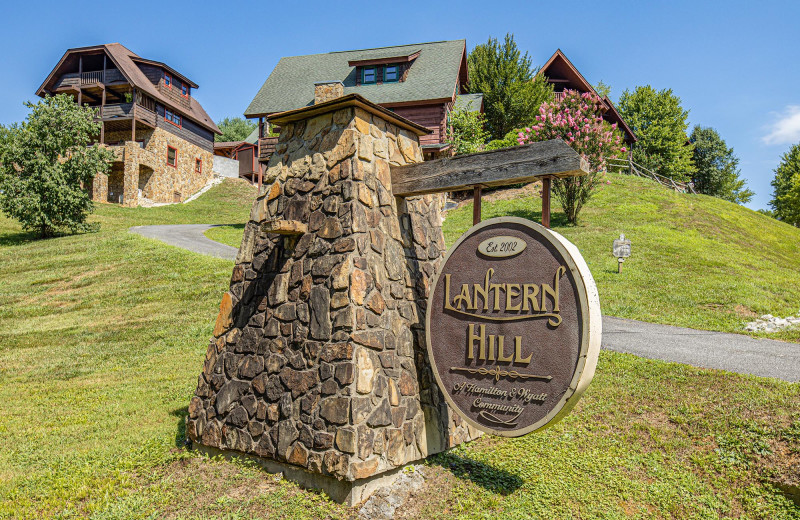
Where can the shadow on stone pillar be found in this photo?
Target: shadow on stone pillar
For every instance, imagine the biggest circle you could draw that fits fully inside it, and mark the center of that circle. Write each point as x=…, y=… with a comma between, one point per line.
x=318, y=366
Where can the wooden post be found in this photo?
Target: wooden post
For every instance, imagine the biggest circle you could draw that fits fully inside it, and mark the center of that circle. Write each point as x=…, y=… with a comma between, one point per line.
x=476, y=205
x=260, y=177
x=133, y=119
x=546, y=202
x=102, y=123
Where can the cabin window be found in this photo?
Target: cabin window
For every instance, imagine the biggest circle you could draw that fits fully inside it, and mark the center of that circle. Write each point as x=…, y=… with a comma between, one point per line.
x=369, y=75
x=391, y=73
x=184, y=90
x=172, y=117
x=167, y=80
x=198, y=166
x=172, y=157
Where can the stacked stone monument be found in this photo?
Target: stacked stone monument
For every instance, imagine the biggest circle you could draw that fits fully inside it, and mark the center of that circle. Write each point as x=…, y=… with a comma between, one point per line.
x=318, y=364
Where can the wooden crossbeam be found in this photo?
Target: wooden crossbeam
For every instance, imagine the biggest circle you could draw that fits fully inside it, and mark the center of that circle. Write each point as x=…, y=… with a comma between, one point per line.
x=513, y=165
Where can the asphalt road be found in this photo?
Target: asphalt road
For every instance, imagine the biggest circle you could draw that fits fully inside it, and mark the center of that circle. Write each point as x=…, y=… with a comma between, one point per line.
x=188, y=236
x=732, y=352
x=700, y=348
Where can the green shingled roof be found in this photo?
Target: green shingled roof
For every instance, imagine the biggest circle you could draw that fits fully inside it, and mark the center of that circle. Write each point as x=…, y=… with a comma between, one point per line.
x=469, y=102
x=433, y=75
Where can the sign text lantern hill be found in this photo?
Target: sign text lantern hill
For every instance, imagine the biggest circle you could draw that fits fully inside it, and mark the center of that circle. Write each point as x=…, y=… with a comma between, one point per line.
x=517, y=326
x=318, y=365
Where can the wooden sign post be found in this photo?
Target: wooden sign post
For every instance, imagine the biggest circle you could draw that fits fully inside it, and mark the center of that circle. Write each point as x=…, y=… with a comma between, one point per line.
x=543, y=161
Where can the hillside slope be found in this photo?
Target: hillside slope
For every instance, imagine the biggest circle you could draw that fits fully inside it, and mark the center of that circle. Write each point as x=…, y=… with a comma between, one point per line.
x=696, y=261
x=102, y=336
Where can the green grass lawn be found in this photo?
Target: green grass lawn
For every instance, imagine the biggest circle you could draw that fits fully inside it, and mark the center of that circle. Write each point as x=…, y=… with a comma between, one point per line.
x=230, y=234
x=102, y=336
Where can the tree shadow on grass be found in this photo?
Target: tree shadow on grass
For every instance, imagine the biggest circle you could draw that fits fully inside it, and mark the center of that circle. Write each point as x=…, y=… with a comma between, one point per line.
x=236, y=226
x=17, y=239
x=492, y=479
x=180, y=432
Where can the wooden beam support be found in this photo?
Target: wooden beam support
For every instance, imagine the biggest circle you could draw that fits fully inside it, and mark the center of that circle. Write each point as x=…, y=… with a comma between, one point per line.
x=89, y=95
x=518, y=164
x=476, y=205
x=120, y=96
x=546, y=202
x=133, y=119
x=102, y=123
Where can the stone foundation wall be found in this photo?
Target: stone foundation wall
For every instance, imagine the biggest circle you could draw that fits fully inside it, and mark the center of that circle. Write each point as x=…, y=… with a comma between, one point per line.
x=164, y=183
x=318, y=357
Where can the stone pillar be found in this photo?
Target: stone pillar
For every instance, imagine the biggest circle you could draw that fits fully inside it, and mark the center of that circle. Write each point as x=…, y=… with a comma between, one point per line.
x=318, y=359
x=100, y=188
x=130, y=193
x=327, y=90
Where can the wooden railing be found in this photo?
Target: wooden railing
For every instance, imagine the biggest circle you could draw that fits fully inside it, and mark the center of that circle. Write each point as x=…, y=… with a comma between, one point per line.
x=125, y=111
x=632, y=168
x=87, y=78
x=558, y=96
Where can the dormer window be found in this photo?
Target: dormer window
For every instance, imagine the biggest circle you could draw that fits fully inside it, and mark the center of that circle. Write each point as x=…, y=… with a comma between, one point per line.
x=391, y=73
x=184, y=90
x=369, y=75
x=167, y=80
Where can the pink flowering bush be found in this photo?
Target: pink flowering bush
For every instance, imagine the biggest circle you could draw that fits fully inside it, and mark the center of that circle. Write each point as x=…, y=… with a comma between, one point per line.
x=577, y=119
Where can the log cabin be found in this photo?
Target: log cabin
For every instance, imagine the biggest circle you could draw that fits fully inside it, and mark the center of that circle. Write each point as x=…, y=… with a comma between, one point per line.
x=563, y=75
x=421, y=82
x=162, y=139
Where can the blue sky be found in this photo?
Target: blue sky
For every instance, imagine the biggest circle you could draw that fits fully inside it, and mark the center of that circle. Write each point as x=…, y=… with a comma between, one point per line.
x=733, y=64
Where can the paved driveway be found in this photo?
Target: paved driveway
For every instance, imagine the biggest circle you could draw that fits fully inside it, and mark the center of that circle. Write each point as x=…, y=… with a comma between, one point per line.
x=700, y=348
x=188, y=236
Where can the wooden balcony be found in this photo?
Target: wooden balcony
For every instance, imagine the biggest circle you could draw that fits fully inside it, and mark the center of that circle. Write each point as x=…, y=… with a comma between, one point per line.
x=558, y=96
x=125, y=111
x=97, y=77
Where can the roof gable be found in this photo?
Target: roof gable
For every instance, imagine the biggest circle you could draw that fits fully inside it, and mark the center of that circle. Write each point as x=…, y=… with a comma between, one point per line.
x=434, y=75
x=126, y=62
x=559, y=68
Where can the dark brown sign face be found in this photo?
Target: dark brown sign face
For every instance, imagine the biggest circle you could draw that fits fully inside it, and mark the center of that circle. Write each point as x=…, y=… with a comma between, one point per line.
x=513, y=326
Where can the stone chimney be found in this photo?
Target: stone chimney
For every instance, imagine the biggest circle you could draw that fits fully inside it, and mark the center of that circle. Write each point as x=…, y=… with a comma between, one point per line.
x=327, y=90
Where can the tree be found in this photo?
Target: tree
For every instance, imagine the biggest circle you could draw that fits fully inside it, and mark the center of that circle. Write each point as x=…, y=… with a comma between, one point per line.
x=466, y=133
x=602, y=89
x=717, y=167
x=659, y=122
x=235, y=129
x=577, y=119
x=47, y=166
x=786, y=197
x=512, y=91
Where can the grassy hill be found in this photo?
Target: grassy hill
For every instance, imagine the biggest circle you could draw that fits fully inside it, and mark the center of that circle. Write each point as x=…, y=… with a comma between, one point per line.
x=102, y=337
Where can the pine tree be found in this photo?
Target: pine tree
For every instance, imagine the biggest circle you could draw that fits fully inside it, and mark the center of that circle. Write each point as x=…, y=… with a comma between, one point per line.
x=512, y=91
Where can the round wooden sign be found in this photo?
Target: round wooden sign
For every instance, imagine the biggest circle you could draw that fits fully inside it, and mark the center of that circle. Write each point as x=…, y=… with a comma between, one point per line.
x=513, y=326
